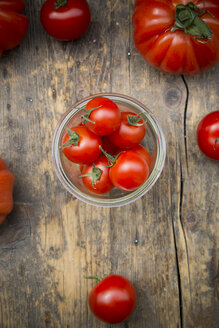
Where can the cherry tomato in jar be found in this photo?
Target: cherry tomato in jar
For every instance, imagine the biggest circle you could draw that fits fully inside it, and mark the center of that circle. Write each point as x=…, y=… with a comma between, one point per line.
x=208, y=135
x=102, y=116
x=96, y=176
x=108, y=146
x=65, y=20
x=130, y=133
x=129, y=171
x=80, y=145
x=144, y=152
x=179, y=37
x=13, y=25
x=112, y=299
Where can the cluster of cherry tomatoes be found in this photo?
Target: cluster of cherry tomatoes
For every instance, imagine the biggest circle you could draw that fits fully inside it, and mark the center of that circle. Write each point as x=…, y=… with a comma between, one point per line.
x=107, y=146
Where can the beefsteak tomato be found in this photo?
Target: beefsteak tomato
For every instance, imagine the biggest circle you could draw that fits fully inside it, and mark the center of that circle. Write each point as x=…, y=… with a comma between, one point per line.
x=177, y=36
x=13, y=25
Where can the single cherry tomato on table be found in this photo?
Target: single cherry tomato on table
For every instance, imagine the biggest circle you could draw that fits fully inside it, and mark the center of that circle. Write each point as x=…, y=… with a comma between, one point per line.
x=102, y=116
x=65, y=20
x=129, y=170
x=208, y=135
x=113, y=299
x=13, y=25
x=180, y=37
x=130, y=132
x=96, y=176
x=80, y=145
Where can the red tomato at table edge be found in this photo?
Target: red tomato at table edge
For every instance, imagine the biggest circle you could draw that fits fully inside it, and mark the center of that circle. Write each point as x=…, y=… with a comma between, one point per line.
x=13, y=25
x=87, y=149
x=208, y=135
x=128, y=135
x=102, y=116
x=68, y=22
x=174, y=52
x=113, y=299
x=100, y=167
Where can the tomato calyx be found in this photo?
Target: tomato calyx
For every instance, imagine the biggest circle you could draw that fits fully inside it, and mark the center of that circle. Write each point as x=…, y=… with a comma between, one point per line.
x=73, y=139
x=95, y=174
x=187, y=19
x=98, y=279
x=134, y=120
x=217, y=140
x=60, y=3
x=86, y=115
x=111, y=158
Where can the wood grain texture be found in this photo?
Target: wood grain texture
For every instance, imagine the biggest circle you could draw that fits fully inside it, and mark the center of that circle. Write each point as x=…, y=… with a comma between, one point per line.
x=165, y=242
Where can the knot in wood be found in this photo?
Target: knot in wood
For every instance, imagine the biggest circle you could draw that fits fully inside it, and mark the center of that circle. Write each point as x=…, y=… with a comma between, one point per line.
x=172, y=97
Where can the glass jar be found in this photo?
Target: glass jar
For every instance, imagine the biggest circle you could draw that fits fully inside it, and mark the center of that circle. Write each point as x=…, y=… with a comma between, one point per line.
x=69, y=173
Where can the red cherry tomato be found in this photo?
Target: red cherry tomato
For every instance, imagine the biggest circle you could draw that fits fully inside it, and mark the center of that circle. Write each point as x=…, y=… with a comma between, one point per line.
x=13, y=25
x=144, y=152
x=130, y=171
x=113, y=299
x=108, y=146
x=80, y=145
x=96, y=176
x=130, y=133
x=186, y=45
x=208, y=135
x=102, y=116
x=65, y=20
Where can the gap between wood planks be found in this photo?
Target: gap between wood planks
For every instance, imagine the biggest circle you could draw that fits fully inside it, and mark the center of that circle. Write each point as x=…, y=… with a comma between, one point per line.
x=185, y=117
x=180, y=210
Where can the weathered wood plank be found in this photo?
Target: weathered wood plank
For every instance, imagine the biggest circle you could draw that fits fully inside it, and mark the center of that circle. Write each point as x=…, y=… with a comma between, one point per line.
x=199, y=208
x=51, y=240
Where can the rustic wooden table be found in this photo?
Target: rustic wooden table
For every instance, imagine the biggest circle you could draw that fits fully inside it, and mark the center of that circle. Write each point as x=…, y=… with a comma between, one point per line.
x=51, y=240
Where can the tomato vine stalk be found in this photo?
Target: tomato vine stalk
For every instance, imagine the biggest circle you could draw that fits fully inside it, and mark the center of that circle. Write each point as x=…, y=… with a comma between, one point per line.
x=60, y=3
x=187, y=19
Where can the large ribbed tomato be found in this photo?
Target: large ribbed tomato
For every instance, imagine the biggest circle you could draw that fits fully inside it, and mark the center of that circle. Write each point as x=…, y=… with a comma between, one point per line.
x=177, y=36
x=13, y=25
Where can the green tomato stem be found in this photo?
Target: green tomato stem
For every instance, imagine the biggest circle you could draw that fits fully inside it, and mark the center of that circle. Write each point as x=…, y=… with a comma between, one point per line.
x=87, y=112
x=94, y=277
x=187, y=19
x=112, y=159
x=134, y=120
x=60, y=3
x=216, y=140
x=73, y=139
x=94, y=175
